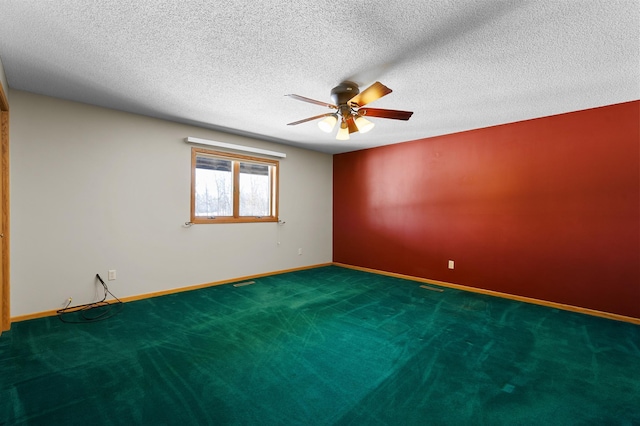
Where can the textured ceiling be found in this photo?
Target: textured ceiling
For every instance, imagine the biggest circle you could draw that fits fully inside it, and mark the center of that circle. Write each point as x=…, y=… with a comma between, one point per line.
x=227, y=65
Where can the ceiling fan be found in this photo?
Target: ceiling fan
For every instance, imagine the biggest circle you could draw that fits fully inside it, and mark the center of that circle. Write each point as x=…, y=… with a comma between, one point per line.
x=349, y=104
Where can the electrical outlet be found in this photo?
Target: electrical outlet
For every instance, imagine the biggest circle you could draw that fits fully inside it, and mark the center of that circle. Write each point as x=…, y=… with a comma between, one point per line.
x=451, y=264
x=299, y=251
x=112, y=275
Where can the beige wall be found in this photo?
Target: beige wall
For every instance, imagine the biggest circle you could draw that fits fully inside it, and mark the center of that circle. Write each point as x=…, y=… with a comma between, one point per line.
x=94, y=189
x=3, y=79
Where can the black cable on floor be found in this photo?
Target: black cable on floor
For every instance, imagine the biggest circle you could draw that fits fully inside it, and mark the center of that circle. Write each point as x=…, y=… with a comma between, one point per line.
x=109, y=310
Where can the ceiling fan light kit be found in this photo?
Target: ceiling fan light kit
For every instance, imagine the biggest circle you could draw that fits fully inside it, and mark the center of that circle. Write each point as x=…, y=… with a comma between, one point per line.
x=363, y=124
x=343, y=133
x=328, y=123
x=349, y=103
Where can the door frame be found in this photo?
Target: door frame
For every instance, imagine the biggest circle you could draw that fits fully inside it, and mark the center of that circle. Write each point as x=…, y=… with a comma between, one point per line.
x=5, y=317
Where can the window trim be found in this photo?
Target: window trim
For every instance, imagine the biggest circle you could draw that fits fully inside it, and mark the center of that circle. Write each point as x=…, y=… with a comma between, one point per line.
x=236, y=159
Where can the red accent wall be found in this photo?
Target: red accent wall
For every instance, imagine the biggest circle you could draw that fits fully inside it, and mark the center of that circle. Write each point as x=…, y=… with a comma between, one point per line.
x=546, y=208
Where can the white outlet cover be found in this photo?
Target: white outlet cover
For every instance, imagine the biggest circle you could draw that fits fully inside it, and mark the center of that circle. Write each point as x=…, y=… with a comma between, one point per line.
x=451, y=264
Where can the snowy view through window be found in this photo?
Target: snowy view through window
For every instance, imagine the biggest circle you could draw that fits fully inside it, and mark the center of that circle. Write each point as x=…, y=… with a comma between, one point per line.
x=214, y=190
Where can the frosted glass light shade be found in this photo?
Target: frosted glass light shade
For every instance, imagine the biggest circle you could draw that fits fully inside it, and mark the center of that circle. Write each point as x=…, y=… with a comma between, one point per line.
x=343, y=134
x=328, y=123
x=364, y=125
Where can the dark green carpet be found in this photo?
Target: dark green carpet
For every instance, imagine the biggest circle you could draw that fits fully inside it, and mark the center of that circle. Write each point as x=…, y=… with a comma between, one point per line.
x=323, y=346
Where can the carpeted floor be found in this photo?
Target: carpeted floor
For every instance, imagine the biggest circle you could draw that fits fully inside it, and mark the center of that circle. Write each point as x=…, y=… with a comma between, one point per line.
x=323, y=346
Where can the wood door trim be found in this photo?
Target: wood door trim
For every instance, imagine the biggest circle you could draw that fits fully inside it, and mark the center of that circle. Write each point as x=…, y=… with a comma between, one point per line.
x=5, y=311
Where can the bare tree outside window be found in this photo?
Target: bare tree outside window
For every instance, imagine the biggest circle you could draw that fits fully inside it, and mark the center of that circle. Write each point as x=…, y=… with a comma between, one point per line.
x=214, y=196
x=232, y=188
x=254, y=190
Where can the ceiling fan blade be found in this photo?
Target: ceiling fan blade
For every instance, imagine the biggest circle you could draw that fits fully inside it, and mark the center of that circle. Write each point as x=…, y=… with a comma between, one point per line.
x=312, y=101
x=386, y=113
x=370, y=94
x=310, y=119
x=351, y=124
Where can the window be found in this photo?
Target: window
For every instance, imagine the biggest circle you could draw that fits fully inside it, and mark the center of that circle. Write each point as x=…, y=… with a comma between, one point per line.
x=232, y=188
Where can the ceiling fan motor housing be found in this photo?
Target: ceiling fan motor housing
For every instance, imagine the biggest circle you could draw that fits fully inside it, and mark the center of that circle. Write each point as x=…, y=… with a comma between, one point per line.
x=343, y=92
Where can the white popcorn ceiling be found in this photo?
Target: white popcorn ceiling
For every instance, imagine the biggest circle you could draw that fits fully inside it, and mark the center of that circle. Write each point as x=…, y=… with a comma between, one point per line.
x=226, y=65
